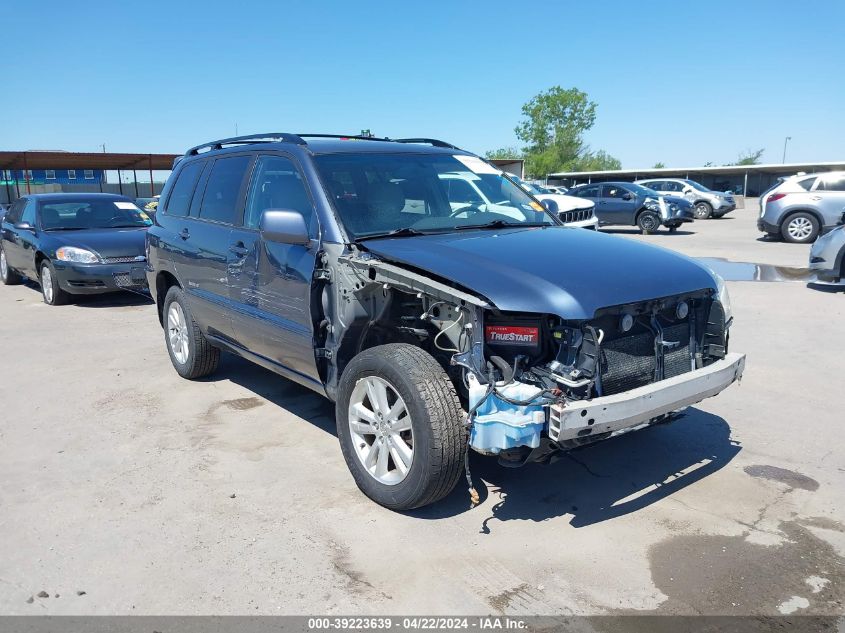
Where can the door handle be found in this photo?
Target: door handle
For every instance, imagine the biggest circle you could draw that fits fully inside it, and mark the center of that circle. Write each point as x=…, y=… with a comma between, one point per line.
x=184, y=234
x=815, y=198
x=239, y=249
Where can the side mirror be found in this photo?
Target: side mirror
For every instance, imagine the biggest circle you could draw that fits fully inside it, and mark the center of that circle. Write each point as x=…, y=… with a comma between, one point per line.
x=627, y=196
x=284, y=227
x=25, y=226
x=551, y=205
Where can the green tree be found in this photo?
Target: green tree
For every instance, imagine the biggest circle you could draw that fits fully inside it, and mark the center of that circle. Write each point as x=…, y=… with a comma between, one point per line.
x=552, y=127
x=750, y=157
x=594, y=161
x=658, y=166
x=504, y=152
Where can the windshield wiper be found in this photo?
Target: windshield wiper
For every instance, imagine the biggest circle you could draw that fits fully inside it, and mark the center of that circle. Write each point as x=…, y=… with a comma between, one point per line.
x=406, y=231
x=499, y=224
x=126, y=226
x=66, y=228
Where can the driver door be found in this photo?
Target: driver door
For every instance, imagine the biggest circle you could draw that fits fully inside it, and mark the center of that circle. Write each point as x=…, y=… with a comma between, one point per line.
x=269, y=282
x=20, y=244
x=619, y=204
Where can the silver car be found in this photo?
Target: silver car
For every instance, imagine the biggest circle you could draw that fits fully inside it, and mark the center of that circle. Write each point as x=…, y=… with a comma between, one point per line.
x=827, y=256
x=801, y=207
x=707, y=203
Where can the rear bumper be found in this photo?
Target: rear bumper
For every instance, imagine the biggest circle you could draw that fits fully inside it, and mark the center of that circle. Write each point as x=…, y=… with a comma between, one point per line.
x=767, y=227
x=630, y=409
x=86, y=279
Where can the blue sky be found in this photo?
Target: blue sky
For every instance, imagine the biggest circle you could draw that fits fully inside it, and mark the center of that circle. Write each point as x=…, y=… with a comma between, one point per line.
x=674, y=83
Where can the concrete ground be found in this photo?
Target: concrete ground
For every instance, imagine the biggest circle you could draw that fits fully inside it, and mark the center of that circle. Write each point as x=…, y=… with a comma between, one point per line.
x=155, y=495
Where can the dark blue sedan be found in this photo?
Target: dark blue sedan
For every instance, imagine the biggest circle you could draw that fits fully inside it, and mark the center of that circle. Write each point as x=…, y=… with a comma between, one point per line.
x=628, y=203
x=84, y=243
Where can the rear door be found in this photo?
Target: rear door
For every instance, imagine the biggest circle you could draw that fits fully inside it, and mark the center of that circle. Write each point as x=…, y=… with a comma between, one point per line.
x=206, y=237
x=270, y=283
x=830, y=197
x=616, y=208
x=11, y=244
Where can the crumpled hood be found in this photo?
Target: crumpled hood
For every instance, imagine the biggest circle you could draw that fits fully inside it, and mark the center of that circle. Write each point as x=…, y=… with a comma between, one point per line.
x=104, y=242
x=558, y=270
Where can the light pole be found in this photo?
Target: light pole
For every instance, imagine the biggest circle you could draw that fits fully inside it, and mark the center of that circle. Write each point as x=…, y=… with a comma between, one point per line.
x=785, y=141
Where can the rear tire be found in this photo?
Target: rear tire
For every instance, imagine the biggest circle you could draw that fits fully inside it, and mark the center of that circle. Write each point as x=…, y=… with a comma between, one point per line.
x=433, y=418
x=190, y=352
x=51, y=291
x=703, y=210
x=800, y=228
x=648, y=221
x=8, y=276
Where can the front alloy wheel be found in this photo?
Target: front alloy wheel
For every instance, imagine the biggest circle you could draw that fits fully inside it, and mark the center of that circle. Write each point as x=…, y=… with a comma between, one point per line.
x=702, y=210
x=381, y=431
x=50, y=290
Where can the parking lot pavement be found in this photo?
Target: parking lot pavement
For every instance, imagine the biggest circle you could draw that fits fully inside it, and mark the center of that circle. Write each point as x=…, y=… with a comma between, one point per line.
x=155, y=495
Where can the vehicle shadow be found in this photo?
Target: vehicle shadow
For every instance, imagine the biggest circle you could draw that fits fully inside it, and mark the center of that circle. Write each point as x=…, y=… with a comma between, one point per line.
x=283, y=393
x=112, y=300
x=108, y=300
x=600, y=482
x=663, y=232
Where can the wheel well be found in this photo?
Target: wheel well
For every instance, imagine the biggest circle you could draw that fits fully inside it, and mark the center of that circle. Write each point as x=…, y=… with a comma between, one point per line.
x=39, y=257
x=164, y=281
x=703, y=201
x=643, y=210
x=792, y=212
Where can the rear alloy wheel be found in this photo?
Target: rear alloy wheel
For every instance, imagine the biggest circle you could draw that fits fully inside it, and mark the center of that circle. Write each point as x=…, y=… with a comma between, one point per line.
x=800, y=228
x=703, y=210
x=8, y=276
x=190, y=352
x=50, y=290
x=648, y=221
x=400, y=426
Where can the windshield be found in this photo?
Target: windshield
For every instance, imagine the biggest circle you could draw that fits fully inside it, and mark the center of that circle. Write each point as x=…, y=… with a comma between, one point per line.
x=696, y=185
x=379, y=194
x=70, y=215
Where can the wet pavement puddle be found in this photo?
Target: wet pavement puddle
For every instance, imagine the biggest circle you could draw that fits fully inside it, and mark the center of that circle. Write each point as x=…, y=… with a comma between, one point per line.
x=749, y=271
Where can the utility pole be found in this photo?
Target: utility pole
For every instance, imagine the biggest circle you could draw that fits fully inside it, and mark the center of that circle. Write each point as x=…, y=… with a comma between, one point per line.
x=785, y=141
x=103, y=145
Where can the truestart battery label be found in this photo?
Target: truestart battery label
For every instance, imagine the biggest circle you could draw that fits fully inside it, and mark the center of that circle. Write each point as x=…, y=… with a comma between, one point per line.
x=511, y=335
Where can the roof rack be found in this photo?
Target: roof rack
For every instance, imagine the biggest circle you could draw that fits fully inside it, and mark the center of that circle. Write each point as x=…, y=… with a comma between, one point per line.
x=299, y=139
x=246, y=140
x=357, y=137
x=430, y=141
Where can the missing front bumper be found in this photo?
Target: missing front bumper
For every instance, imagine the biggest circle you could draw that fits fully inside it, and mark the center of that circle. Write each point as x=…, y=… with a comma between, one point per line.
x=608, y=414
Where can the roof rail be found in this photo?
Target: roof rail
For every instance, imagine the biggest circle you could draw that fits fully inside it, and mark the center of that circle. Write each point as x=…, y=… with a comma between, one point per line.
x=252, y=138
x=430, y=141
x=342, y=136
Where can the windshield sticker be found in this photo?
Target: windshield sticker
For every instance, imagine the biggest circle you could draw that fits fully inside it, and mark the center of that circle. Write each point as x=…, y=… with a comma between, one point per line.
x=144, y=217
x=126, y=205
x=478, y=166
x=536, y=206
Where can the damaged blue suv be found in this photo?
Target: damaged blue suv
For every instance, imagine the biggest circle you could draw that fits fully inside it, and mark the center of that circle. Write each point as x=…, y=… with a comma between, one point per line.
x=344, y=264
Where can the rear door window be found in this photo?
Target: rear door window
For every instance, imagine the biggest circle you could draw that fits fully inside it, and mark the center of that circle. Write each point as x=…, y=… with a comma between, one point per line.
x=183, y=190
x=223, y=190
x=588, y=192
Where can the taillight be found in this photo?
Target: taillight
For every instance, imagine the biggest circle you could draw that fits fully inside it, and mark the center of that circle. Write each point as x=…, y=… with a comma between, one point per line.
x=775, y=196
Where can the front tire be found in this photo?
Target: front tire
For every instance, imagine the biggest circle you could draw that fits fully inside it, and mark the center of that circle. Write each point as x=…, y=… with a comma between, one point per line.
x=190, y=352
x=648, y=221
x=400, y=426
x=8, y=276
x=800, y=228
x=51, y=291
x=703, y=210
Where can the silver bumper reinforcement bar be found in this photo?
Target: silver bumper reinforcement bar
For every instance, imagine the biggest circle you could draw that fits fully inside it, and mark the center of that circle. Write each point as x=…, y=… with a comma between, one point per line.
x=632, y=408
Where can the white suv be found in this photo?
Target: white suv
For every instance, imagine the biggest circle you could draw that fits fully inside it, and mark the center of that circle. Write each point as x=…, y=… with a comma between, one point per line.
x=465, y=189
